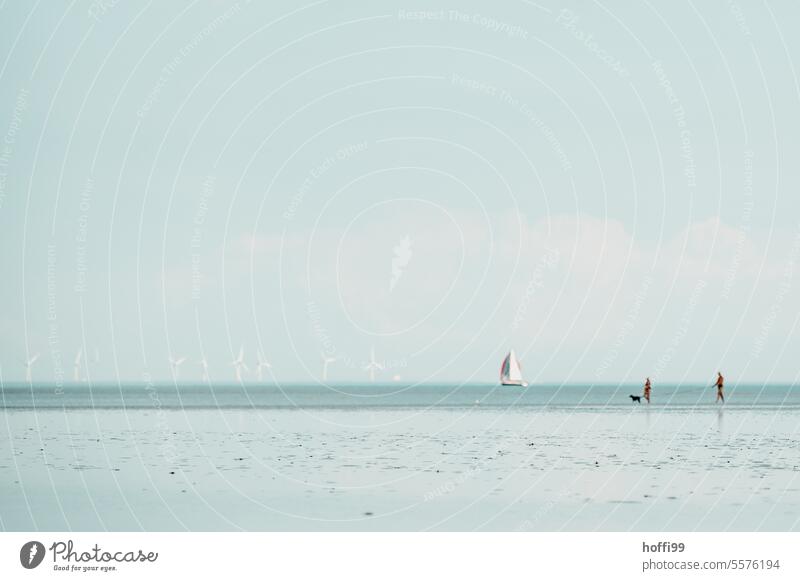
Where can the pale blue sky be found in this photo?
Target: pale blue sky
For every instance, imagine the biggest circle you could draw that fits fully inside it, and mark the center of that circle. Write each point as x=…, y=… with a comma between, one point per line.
x=610, y=188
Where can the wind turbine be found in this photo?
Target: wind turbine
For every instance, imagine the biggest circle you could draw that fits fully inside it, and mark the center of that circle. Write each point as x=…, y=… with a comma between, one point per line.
x=175, y=365
x=28, y=364
x=373, y=365
x=262, y=364
x=204, y=367
x=76, y=368
x=239, y=364
x=325, y=362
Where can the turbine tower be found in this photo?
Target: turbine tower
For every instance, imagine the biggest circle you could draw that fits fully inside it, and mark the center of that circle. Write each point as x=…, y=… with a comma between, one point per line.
x=28, y=365
x=325, y=362
x=239, y=364
x=175, y=365
x=373, y=365
x=76, y=368
x=262, y=364
x=204, y=369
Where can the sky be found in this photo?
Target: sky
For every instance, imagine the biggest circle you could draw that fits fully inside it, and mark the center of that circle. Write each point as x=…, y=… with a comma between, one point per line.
x=611, y=189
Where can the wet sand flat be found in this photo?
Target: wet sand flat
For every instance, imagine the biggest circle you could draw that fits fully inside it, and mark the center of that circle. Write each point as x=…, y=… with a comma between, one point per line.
x=400, y=469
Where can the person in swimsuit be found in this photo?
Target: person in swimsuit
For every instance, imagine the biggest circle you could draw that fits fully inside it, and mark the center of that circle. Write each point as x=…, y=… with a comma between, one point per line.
x=720, y=383
x=647, y=388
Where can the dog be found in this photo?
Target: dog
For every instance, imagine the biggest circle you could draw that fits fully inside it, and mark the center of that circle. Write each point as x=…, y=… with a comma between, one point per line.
x=635, y=398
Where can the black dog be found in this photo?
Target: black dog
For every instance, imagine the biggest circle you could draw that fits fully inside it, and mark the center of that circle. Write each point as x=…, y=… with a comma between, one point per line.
x=635, y=398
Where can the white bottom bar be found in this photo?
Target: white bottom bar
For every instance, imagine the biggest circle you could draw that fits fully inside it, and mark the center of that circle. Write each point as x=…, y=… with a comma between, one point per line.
x=372, y=556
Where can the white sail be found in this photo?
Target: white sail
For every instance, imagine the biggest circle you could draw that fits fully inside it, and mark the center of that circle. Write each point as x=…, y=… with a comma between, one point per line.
x=511, y=371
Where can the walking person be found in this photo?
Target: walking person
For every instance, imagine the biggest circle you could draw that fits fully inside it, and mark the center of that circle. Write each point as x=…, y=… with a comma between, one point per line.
x=720, y=385
x=647, y=388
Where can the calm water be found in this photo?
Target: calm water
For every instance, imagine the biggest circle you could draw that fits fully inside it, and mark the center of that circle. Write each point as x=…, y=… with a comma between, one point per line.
x=187, y=396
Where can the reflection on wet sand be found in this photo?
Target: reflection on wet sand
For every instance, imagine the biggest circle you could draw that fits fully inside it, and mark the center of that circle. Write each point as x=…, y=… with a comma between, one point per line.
x=629, y=468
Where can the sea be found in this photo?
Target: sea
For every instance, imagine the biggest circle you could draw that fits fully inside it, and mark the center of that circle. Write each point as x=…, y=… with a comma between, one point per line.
x=575, y=397
x=398, y=457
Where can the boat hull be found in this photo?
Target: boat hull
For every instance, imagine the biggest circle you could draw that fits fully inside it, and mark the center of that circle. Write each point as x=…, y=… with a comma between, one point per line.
x=514, y=383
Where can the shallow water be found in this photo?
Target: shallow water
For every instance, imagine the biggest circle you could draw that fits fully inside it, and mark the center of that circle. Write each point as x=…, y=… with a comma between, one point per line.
x=193, y=396
x=334, y=465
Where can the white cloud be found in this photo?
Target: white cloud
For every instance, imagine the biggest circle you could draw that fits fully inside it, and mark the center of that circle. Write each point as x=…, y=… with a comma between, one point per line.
x=603, y=284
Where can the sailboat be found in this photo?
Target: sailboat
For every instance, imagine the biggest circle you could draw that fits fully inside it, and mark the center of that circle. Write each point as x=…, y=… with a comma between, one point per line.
x=511, y=371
